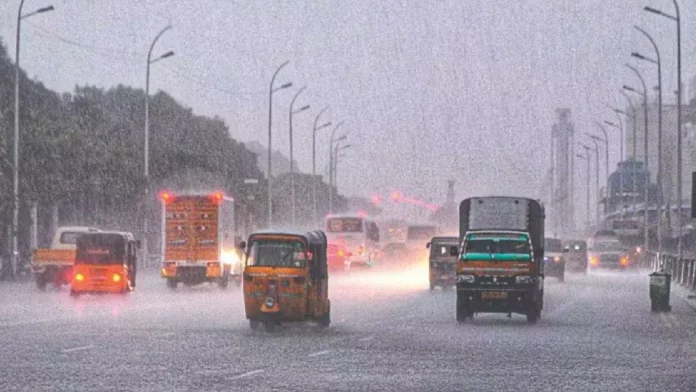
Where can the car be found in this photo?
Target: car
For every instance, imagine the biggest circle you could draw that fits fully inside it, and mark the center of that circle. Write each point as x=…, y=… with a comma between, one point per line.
x=554, y=258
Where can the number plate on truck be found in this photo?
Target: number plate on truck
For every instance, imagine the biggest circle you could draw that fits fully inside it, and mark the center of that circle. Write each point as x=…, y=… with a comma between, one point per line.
x=494, y=295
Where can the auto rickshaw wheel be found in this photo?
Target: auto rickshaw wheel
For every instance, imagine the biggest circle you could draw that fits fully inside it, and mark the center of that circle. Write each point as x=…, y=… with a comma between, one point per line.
x=255, y=325
x=432, y=286
x=271, y=326
x=224, y=281
x=172, y=283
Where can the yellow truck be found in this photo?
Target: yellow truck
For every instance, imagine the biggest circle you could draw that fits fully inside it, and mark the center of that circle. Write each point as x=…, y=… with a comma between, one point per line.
x=54, y=264
x=198, y=240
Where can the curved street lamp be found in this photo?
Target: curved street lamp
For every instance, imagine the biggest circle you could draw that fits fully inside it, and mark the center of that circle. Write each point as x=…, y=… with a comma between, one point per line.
x=15, y=182
x=676, y=18
x=314, y=161
x=271, y=91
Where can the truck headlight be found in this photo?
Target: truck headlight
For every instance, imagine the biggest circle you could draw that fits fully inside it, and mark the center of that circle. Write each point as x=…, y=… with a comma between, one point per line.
x=524, y=279
x=466, y=279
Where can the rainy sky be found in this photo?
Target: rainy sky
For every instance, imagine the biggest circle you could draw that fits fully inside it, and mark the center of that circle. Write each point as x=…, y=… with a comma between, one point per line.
x=428, y=90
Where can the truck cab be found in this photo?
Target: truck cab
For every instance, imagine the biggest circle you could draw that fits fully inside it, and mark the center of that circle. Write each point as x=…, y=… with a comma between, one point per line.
x=54, y=264
x=501, y=258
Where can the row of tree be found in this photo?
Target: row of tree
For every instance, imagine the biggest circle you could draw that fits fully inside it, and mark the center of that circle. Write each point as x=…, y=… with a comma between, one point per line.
x=81, y=154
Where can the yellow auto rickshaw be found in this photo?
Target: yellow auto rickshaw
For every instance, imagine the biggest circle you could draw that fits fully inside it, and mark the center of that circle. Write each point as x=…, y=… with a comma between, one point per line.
x=286, y=279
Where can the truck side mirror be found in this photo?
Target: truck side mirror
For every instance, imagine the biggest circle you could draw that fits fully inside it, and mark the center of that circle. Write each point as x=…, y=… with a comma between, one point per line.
x=427, y=246
x=138, y=244
x=454, y=251
x=242, y=245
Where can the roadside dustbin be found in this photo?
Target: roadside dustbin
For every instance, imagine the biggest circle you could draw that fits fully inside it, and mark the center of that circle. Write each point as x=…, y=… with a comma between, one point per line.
x=660, y=285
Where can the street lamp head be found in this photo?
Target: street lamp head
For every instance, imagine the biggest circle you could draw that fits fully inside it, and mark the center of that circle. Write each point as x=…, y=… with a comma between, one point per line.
x=286, y=85
x=620, y=111
x=345, y=146
x=45, y=9
x=653, y=10
x=638, y=55
x=342, y=137
x=302, y=109
x=168, y=54
x=629, y=88
x=611, y=124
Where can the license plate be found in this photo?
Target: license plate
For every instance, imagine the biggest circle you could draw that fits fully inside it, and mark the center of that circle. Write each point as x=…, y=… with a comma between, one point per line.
x=494, y=295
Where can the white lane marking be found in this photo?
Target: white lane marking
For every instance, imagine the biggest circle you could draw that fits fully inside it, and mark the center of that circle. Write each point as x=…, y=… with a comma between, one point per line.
x=247, y=374
x=72, y=350
x=367, y=339
x=674, y=320
x=167, y=335
x=318, y=353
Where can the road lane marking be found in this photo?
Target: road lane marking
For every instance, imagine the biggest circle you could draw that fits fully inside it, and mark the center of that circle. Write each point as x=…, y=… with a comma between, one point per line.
x=674, y=320
x=367, y=339
x=72, y=350
x=318, y=353
x=665, y=320
x=37, y=321
x=247, y=374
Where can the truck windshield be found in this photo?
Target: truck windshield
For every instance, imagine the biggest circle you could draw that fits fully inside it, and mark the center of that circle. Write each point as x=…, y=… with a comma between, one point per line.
x=498, y=246
x=100, y=249
x=441, y=249
x=275, y=253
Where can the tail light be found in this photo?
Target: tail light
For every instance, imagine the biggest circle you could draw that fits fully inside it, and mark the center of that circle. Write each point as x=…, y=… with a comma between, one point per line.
x=79, y=277
x=340, y=253
x=361, y=249
x=116, y=278
x=594, y=261
x=624, y=261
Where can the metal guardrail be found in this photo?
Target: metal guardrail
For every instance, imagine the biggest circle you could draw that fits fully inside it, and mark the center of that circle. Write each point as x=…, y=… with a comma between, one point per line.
x=683, y=270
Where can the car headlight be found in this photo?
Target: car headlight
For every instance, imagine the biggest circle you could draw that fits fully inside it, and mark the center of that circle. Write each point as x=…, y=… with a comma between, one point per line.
x=466, y=279
x=524, y=279
x=557, y=259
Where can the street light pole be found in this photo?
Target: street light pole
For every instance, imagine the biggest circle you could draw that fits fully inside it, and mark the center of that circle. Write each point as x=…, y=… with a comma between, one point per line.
x=292, y=166
x=314, y=162
x=606, y=161
x=646, y=185
x=587, y=158
x=146, y=152
x=597, y=219
x=634, y=180
x=337, y=149
x=331, y=163
x=658, y=179
x=15, y=182
x=271, y=90
x=676, y=18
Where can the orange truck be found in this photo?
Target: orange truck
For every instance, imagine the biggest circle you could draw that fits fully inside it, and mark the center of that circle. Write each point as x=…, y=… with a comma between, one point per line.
x=54, y=264
x=198, y=233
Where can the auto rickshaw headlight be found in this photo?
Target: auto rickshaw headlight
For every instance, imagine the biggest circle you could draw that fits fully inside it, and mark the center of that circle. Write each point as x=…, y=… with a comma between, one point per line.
x=270, y=302
x=466, y=278
x=524, y=279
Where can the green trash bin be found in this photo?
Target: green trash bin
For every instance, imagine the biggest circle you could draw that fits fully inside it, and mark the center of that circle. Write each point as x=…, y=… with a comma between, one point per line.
x=660, y=286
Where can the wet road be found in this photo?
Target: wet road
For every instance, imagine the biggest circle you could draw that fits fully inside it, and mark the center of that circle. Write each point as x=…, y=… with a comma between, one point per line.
x=388, y=332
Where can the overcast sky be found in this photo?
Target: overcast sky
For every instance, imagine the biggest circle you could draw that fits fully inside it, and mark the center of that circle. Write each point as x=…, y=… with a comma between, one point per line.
x=428, y=90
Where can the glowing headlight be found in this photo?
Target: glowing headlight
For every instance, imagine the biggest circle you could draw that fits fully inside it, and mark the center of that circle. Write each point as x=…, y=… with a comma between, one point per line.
x=229, y=257
x=557, y=259
x=524, y=279
x=270, y=302
x=466, y=278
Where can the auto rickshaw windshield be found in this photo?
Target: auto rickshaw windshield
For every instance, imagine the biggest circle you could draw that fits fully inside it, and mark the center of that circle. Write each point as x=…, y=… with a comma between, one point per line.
x=277, y=253
x=441, y=249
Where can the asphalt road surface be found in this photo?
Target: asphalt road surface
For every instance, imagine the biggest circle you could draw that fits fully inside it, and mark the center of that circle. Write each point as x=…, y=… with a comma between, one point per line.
x=388, y=332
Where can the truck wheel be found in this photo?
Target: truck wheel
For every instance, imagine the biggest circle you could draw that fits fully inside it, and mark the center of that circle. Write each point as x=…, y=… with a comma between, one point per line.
x=533, y=316
x=325, y=319
x=224, y=281
x=561, y=277
x=172, y=283
x=270, y=326
x=654, y=306
x=254, y=325
x=41, y=282
x=462, y=311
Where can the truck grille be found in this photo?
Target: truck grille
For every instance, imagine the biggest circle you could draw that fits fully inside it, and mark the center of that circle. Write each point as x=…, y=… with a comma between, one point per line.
x=495, y=281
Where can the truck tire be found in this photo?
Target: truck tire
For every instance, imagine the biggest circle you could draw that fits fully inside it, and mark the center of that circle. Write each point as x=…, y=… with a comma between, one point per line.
x=325, y=319
x=224, y=281
x=254, y=325
x=172, y=283
x=532, y=317
x=40, y=282
x=462, y=312
x=561, y=277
